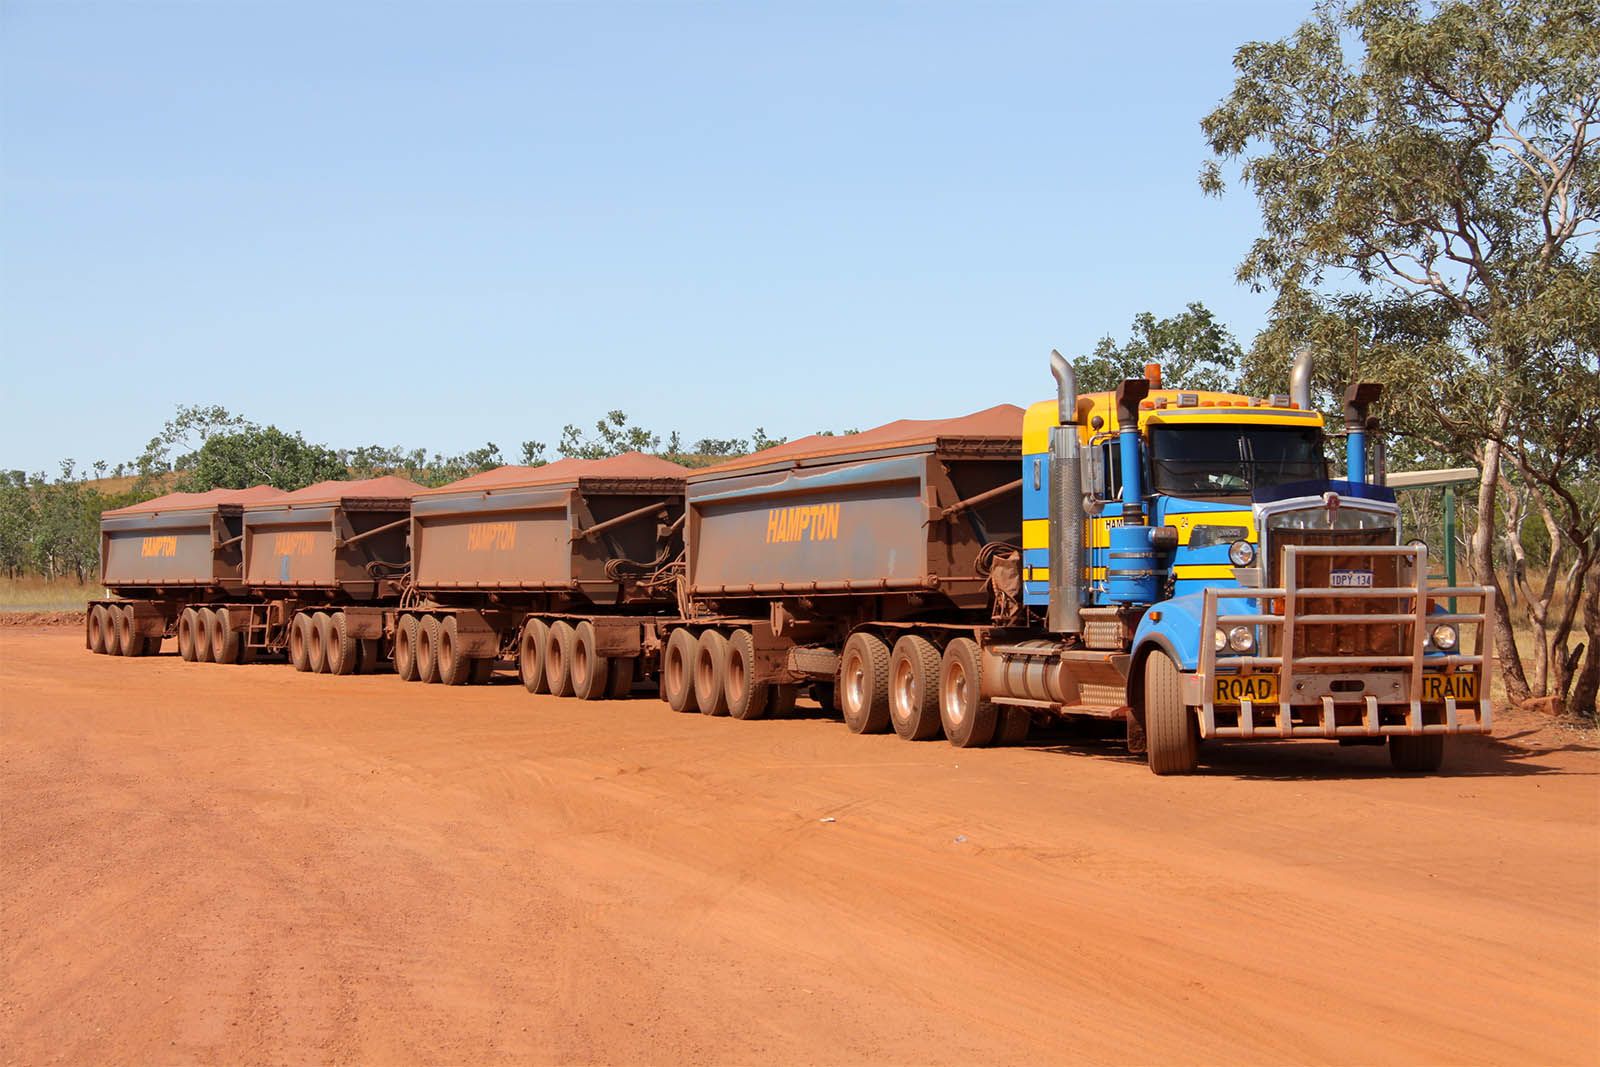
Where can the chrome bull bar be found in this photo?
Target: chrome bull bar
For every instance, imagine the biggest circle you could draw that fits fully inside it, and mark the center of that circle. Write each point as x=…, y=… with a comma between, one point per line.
x=1293, y=670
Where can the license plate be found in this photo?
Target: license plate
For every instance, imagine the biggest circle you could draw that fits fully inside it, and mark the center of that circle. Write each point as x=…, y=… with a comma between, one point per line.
x=1350, y=579
x=1237, y=688
x=1436, y=687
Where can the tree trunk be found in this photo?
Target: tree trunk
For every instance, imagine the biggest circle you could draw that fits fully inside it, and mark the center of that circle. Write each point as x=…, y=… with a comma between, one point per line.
x=1564, y=661
x=1482, y=560
x=1587, y=691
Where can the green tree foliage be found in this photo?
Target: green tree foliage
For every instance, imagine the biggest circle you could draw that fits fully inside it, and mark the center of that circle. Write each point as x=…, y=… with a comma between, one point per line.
x=612, y=437
x=51, y=526
x=1194, y=349
x=238, y=459
x=1427, y=171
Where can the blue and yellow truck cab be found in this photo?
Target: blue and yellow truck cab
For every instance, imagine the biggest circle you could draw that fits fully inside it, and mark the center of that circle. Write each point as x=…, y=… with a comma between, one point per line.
x=1201, y=574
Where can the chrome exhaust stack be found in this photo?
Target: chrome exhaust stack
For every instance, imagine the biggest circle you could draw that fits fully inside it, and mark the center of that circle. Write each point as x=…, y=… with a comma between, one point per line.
x=1066, y=504
x=1300, y=378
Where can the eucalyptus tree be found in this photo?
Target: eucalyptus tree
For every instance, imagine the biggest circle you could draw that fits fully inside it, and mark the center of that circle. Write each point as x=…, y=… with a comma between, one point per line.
x=1438, y=161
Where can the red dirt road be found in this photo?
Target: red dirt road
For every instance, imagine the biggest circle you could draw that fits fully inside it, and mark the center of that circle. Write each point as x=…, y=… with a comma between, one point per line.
x=243, y=864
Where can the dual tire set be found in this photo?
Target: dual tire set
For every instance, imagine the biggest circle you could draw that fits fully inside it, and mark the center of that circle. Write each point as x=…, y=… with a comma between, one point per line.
x=320, y=642
x=111, y=632
x=713, y=673
x=428, y=649
x=562, y=658
x=204, y=636
x=923, y=691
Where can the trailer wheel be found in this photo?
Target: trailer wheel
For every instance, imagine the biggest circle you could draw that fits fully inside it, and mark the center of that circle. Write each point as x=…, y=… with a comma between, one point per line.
x=677, y=672
x=224, y=639
x=589, y=669
x=341, y=651
x=746, y=699
x=97, y=629
x=1014, y=726
x=481, y=671
x=530, y=656
x=454, y=668
x=317, y=647
x=711, y=673
x=558, y=658
x=780, y=700
x=200, y=631
x=864, y=684
x=186, y=622
x=128, y=643
x=114, y=630
x=1173, y=735
x=138, y=644
x=968, y=716
x=406, y=637
x=914, y=689
x=428, y=649
x=1416, y=755
x=620, y=682
x=300, y=642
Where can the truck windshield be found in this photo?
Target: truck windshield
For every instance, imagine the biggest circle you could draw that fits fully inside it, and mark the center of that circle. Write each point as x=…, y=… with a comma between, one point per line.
x=1232, y=460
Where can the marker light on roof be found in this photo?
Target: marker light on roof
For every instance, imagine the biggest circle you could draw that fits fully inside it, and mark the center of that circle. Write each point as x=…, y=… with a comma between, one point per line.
x=1188, y=400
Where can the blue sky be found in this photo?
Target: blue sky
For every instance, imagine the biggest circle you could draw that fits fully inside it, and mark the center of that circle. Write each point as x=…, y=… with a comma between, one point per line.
x=441, y=224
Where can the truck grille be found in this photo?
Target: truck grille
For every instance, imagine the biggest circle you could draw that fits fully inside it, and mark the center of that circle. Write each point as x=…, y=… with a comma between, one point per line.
x=1316, y=571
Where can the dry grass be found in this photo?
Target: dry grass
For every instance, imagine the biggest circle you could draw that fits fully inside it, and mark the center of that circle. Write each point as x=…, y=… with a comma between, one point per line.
x=42, y=594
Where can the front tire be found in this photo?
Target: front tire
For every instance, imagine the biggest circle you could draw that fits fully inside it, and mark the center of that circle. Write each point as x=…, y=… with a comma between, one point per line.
x=1416, y=755
x=1172, y=732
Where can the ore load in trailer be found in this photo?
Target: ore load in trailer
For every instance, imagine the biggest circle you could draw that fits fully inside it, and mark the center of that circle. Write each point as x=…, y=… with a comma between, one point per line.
x=324, y=565
x=162, y=555
x=564, y=567
x=849, y=563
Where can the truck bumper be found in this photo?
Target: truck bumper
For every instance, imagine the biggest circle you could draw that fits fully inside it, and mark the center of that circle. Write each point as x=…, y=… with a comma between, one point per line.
x=1319, y=696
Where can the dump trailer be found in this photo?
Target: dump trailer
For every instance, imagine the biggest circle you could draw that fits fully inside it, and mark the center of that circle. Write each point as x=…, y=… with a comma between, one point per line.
x=163, y=555
x=840, y=561
x=321, y=565
x=565, y=568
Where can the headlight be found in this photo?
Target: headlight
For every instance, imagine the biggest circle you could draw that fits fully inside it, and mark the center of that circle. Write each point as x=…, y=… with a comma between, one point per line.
x=1220, y=640
x=1445, y=637
x=1241, y=553
x=1240, y=639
